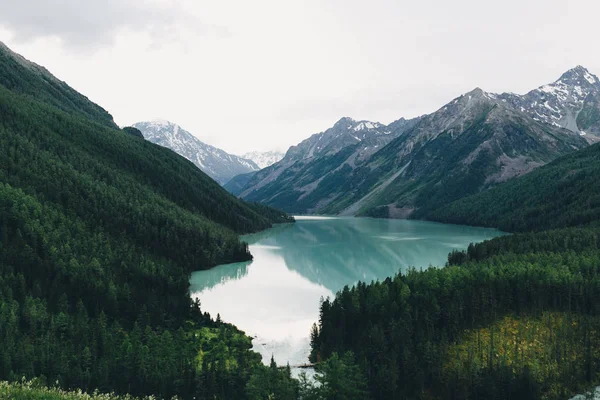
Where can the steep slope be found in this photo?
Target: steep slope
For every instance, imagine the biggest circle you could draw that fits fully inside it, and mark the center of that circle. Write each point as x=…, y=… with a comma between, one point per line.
x=27, y=78
x=301, y=180
x=215, y=162
x=468, y=145
x=264, y=159
x=572, y=102
x=133, y=131
x=561, y=194
x=99, y=231
x=497, y=321
x=412, y=167
x=237, y=184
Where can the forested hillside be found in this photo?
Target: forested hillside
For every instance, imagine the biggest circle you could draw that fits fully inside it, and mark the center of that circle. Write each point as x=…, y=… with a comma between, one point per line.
x=99, y=231
x=514, y=317
x=33, y=81
x=519, y=326
x=561, y=194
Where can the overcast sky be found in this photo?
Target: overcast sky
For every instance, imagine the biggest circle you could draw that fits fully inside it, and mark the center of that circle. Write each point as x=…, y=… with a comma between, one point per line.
x=265, y=74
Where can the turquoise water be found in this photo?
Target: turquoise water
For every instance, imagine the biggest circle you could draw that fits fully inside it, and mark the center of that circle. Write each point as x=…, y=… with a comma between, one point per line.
x=275, y=298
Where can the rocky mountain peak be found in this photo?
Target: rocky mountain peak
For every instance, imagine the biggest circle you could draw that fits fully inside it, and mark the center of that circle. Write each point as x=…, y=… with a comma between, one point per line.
x=215, y=162
x=578, y=76
x=345, y=121
x=571, y=102
x=477, y=92
x=350, y=124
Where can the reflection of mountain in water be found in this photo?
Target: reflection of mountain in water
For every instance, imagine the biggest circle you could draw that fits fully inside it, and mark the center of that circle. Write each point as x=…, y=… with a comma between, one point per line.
x=255, y=238
x=344, y=251
x=207, y=279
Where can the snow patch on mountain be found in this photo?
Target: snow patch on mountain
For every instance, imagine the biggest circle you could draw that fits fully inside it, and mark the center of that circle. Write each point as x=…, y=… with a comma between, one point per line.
x=263, y=159
x=215, y=162
x=560, y=103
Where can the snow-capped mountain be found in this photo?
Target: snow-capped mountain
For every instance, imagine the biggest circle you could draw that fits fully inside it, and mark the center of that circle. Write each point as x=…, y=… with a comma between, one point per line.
x=347, y=144
x=346, y=132
x=263, y=159
x=215, y=162
x=572, y=102
x=411, y=167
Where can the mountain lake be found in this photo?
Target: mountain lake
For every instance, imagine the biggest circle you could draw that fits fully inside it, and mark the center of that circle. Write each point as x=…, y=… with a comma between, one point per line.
x=275, y=298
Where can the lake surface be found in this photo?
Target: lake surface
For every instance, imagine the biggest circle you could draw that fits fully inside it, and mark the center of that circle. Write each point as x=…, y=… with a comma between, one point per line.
x=275, y=298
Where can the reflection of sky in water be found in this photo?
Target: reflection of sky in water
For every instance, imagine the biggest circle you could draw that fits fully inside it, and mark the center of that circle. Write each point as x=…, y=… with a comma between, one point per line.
x=276, y=296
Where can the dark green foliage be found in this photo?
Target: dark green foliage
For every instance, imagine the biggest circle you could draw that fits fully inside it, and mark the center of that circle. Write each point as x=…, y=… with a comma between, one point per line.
x=338, y=378
x=272, y=383
x=404, y=330
x=99, y=232
x=563, y=193
x=33, y=81
x=133, y=131
x=401, y=329
x=377, y=212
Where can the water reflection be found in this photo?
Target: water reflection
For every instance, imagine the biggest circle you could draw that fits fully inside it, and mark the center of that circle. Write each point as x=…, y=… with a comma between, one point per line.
x=220, y=275
x=276, y=296
x=343, y=251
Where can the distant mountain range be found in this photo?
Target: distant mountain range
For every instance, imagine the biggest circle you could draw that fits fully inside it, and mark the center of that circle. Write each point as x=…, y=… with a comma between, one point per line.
x=216, y=163
x=411, y=167
x=263, y=159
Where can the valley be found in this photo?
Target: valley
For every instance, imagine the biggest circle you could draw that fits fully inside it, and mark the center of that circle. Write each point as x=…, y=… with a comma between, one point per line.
x=454, y=255
x=275, y=297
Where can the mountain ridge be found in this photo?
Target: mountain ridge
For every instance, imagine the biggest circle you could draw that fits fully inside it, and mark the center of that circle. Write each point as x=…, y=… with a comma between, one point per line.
x=28, y=78
x=475, y=141
x=570, y=102
x=263, y=159
x=215, y=162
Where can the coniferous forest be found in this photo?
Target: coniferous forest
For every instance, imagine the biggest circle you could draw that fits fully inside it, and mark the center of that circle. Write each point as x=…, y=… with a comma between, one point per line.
x=99, y=231
x=516, y=317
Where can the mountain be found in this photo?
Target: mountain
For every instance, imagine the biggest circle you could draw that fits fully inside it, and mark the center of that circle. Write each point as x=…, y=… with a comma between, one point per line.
x=541, y=280
x=561, y=194
x=414, y=166
x=237, y=184
x=26, y=78
x=215, y=162
x=572, y=102
x=133, y=131
x=469, y=145
x=99, y=232
x=311, y=168
x=263, y=159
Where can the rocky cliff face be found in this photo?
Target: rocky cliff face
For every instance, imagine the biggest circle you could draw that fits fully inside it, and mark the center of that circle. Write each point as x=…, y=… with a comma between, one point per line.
x=318, y=160
x=572, y=102
x=468, y=145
